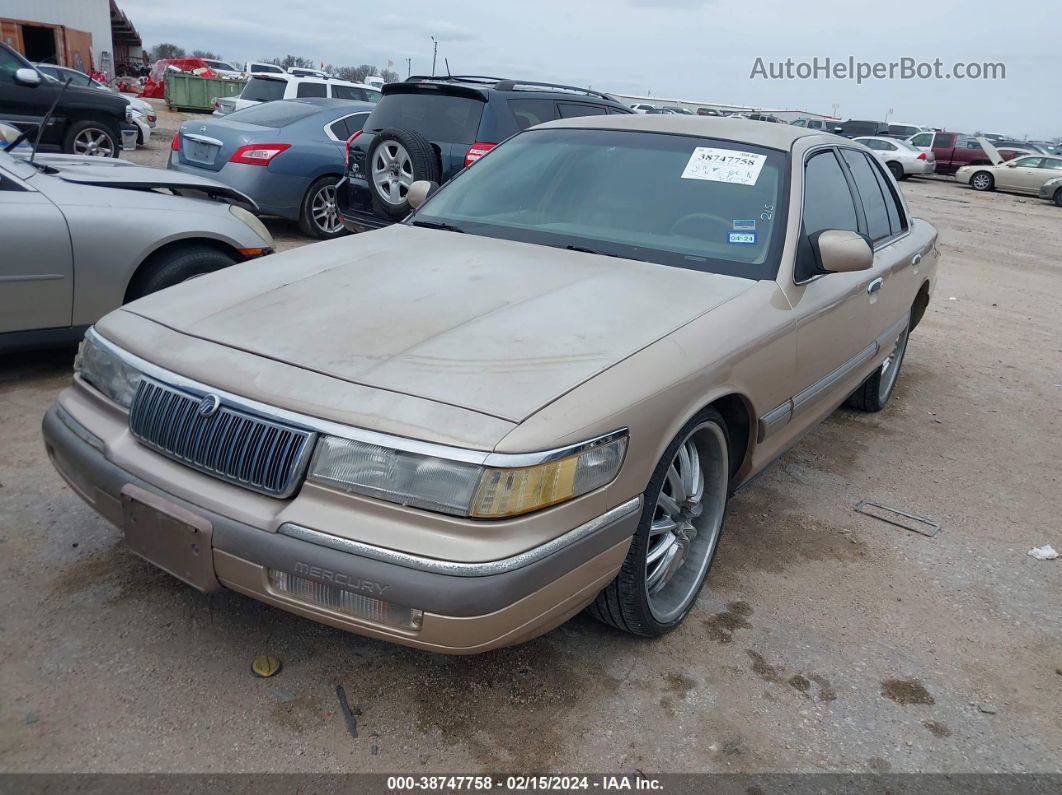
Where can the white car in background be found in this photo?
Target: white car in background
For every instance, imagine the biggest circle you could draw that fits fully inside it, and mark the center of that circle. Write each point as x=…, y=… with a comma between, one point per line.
x=268, y=87
x=223, y=68
x=144, y=114
x=257, y=68
x=642, y=107
x=901, y=158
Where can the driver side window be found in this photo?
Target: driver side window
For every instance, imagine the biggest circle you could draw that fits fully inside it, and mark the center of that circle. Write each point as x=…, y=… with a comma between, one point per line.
x=9, y=64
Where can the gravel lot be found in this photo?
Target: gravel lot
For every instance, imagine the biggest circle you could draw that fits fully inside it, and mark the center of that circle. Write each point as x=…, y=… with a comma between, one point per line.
x=825, y=640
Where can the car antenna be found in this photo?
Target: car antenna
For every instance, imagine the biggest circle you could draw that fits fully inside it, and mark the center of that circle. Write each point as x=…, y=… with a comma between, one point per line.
x=46, y=119
x=447, y=62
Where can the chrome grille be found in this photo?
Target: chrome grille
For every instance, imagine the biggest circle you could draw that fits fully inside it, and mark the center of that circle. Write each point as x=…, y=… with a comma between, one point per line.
x=241, y=448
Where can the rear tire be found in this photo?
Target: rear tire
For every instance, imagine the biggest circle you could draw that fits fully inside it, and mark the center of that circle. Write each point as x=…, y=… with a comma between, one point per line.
x=677, y=536
x=875, y=392
x=174, y=266
x=397, y=159
x=982, y=181
x=896, y=170
x=318, y=216
x=91, y=139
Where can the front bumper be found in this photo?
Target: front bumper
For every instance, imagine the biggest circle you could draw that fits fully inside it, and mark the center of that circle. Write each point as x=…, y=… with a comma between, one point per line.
x=475, y=608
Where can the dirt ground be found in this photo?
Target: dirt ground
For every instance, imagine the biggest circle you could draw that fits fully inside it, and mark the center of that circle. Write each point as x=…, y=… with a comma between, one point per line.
x=824, y=640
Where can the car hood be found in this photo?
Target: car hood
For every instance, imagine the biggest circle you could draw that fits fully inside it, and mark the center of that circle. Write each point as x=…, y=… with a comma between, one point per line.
x=114, y=173
x=498, y=327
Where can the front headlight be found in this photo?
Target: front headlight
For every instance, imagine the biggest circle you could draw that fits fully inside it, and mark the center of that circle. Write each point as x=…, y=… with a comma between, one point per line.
x=256, y=225
x=461, y=488
x=105, y=371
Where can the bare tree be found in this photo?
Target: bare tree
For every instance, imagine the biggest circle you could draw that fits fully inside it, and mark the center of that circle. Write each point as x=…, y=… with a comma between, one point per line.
x=166, y=50
x=206, y=54
x=389, y=75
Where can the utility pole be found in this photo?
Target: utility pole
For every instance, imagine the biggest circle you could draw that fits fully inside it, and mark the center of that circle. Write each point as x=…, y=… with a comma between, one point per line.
x=434, y=52
x=409, y=66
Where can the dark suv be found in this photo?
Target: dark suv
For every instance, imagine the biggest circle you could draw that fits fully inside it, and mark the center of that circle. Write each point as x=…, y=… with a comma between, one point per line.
x=86, y=121
x=429, y=128
x=858, y=128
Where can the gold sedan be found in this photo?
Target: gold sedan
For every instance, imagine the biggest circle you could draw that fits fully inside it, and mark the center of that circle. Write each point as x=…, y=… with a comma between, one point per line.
x=1022, y=174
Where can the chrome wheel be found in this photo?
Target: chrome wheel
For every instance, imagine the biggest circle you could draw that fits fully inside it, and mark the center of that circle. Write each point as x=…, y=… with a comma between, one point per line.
x=392, y=172
x=890, y=368
x=686, y=522
x=323, y=210
x=982, y=181
x=94, y=142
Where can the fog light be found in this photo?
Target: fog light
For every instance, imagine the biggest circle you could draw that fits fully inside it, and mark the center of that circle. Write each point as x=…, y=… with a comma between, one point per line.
x=348, y=603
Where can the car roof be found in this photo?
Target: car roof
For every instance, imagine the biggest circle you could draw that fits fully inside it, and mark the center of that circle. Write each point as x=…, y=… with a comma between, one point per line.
x=775, y=136
x=325, y=103
x=290, y=78
x=483, y=85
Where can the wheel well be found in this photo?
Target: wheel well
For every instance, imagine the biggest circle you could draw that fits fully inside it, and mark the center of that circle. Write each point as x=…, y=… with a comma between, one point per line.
x=149, y=261
x=736, y=412
x=918, y=308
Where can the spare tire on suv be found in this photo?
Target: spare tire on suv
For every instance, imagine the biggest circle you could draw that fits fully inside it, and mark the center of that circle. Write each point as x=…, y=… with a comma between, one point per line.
x=397, y=159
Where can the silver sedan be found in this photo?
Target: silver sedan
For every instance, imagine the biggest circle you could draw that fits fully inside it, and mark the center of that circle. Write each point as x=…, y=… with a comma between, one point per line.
x=900, y=157
x=82, y=236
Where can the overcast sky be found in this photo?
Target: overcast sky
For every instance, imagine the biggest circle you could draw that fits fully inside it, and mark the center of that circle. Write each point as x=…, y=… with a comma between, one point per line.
x=700, y=50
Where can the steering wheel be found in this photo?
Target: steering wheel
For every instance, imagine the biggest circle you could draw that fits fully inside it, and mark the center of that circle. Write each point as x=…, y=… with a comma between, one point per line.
x=675, y=227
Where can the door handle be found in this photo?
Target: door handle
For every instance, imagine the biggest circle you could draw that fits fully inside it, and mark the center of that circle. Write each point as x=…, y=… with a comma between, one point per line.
x=875, y=285
x=915, y=260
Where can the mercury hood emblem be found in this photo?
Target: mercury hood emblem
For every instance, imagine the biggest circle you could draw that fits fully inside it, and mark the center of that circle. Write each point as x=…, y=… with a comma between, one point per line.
x=209, y=405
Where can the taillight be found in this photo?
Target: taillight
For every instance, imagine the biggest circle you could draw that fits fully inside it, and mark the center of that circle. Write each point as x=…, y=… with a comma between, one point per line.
x=922, y=156
x=175, y=144
x=350, y=140
x=258, y=154
x=476, y=151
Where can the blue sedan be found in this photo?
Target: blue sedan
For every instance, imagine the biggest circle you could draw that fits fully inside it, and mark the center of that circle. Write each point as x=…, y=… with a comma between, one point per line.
x=287, y=155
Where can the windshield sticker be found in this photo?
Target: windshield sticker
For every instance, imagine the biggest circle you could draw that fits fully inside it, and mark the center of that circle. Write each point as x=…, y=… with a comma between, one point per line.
x=742, y=238
x=724, y=165
x=744, y=226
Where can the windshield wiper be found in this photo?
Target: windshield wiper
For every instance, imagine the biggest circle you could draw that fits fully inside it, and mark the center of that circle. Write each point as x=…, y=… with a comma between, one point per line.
x=585, y=250
x=438, y=225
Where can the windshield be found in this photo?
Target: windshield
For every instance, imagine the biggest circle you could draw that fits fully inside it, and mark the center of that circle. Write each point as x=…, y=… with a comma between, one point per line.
x=697, y=203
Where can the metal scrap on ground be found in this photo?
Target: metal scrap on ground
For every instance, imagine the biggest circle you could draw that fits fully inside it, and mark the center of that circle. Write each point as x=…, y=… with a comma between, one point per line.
x=922, y=525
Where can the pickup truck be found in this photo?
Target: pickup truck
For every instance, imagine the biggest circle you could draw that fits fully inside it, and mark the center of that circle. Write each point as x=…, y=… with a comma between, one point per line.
x=953, y=150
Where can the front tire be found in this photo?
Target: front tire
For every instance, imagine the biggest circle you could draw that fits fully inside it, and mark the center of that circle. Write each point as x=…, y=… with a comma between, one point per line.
x=1058, y=197
x=174, y=266
x=677, y=536
x=982, y=181
x=91, y=139
x=875, y=392
x=319, y=217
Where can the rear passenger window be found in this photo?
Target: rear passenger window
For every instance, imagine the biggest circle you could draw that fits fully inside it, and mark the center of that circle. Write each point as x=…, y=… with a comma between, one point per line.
x=529, y=112
x=348, y=92
x=312, y=90
x=827, y=198
x=897, y=217
x=877, y=213
x=569, y=110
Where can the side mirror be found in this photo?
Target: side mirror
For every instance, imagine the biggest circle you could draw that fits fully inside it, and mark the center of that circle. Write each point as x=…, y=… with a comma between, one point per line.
x=838, y=130
x=842, y=252
x=30, y=78
x=419, y=192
